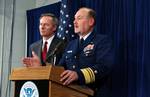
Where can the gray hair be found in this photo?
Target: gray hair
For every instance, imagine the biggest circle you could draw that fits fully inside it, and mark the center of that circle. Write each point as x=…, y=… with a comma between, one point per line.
x=54, y=18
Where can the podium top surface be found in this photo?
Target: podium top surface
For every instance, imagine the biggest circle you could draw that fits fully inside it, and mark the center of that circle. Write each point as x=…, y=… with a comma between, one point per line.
x=26, y=73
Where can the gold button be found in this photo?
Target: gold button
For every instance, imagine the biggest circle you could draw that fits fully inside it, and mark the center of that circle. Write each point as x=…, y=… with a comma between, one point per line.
x=95, y=71
x=66, y=57
x=73, y=66
x=75, y=57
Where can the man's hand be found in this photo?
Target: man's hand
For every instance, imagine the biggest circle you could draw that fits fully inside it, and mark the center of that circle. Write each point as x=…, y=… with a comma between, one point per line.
x=68, y=76
x=31, y=61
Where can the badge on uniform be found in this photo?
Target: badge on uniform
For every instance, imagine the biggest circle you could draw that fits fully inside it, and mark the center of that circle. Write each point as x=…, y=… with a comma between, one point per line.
x=70, y=51
x=88, y=49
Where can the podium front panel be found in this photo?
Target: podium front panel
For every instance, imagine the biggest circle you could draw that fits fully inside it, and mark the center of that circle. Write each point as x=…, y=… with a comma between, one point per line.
x=24, y=89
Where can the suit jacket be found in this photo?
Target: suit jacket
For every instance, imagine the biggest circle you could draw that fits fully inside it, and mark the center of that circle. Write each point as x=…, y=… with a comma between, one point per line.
x=94, y=56
x=56, y=50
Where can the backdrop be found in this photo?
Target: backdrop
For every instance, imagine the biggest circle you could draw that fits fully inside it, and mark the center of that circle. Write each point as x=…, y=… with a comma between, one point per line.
x=127, y=22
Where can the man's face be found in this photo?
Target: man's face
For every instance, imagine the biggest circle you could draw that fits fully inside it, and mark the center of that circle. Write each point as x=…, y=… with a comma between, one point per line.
x=82, y=24
x=47, y=27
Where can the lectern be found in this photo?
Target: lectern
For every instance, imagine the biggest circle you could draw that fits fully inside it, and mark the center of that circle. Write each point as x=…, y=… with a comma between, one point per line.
x=44, y=82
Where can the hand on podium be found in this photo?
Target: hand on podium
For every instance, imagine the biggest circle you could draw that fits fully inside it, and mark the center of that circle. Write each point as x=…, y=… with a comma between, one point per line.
x=31, y=61
x=68, y=76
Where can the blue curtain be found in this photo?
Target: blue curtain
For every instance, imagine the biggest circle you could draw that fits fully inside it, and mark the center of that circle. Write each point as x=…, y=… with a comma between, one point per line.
x=128, y=23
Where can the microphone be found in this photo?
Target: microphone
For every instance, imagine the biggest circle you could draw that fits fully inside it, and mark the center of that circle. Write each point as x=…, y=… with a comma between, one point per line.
x=54, y=52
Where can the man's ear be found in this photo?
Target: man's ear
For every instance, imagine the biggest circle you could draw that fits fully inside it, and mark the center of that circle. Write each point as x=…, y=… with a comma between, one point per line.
x=91, y=21
x=54, y=28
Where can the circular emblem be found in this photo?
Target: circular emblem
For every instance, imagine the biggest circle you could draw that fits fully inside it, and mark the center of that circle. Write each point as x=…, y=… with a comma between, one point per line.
x=29, y=89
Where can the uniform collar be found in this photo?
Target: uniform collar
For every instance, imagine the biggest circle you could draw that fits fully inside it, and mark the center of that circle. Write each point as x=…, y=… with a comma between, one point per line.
x=85, y=37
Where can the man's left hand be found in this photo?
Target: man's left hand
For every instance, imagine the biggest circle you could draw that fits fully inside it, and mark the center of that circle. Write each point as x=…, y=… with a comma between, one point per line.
x=68, y=76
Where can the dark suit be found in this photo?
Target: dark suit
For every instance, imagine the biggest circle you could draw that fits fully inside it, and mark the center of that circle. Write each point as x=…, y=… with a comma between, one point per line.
x=56, y=49
x=96, y=54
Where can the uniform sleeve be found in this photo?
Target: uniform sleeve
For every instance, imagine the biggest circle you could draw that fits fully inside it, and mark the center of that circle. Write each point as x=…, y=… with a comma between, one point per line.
x=62, y=61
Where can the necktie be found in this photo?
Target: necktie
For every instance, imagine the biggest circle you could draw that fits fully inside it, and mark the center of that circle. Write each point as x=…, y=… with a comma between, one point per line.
x=44, y=52
x=81, y=43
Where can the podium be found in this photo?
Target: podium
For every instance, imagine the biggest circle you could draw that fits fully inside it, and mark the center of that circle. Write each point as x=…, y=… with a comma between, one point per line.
x=45, y=81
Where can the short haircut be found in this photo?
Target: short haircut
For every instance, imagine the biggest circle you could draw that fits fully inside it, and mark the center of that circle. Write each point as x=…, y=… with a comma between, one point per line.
x=54, y=18
x=91, y=13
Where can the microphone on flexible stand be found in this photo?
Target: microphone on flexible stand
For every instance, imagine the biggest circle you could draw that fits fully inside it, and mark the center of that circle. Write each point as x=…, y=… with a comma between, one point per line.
x=53, y=53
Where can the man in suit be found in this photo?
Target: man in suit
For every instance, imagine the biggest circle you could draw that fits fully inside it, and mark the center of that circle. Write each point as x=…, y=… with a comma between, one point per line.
x=88, y=59
x=49, y=48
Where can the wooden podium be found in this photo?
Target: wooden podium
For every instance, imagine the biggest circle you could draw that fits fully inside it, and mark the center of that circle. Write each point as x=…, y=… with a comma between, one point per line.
x=46, y=78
